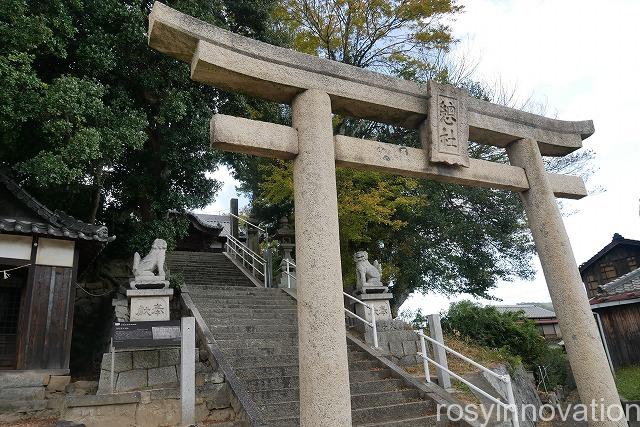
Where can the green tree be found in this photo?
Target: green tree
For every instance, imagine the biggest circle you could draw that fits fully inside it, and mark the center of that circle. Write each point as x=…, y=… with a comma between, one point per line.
x=427, y=235
x=95, y=122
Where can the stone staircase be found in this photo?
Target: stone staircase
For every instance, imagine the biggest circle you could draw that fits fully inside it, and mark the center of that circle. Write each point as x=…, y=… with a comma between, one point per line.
x=256, y=330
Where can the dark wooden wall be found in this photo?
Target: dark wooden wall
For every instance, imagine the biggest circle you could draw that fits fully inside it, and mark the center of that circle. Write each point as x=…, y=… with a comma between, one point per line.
x=617, y=262
x=621, y=326
x=46, y=318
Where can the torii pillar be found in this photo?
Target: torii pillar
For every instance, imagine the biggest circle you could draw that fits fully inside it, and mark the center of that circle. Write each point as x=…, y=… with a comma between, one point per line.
x=322, y=352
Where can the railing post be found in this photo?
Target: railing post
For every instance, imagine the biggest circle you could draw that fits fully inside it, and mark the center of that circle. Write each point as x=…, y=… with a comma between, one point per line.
x=374, y=326
x=439, y=353
x=288, y=274
x=512, y=401
x=425, y=362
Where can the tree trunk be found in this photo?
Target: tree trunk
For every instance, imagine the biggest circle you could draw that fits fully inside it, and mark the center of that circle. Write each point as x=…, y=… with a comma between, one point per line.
x=96, y=197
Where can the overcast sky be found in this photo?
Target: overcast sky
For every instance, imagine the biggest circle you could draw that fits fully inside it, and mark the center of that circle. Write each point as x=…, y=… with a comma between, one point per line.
x=581, y=58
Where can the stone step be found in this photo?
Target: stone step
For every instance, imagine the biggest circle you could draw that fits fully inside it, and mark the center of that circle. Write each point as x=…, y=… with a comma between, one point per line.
x=216, y=317
x=247, y=361
x=215, y=301
x=268, y=371
x=259, y=328
x=393, y=412
x=291, y=381
x=293, y=335
x=238, y=282
x=357, y=389
x=269, y=360
x=235, y=291
x=266, y=384
x=232, y=311
x=380, y=415
x=377, y=385
x=260, y=351
x=240, y=292
x=250, y=343
x=427, y=421
x=285, y=397
x=204, y=301
x=363, y=401
x=250, y=318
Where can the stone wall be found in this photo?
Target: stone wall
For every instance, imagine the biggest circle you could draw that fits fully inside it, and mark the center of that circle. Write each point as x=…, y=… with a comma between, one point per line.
x=29, y=391
x=140, y=409
x=142, y=369
x=158, y=371
x=396, y=341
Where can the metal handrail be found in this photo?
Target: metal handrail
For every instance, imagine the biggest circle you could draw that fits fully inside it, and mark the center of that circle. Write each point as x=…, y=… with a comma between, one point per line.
x=371, y=324
x=238, y=249
x=264, y=230
x=509, y=406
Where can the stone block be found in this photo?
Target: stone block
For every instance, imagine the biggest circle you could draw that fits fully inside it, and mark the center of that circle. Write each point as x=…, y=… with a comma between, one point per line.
x=145, y=359
x=122, y=361
x=216, y=377
x=58, y=383
x=168, y=357
x=410, y=348
x=201, y=367
x=159, y=413
x=104, y=384
x=81, y=388
x=164, y=376
x=217, y=396
x=132, y=380
x=22, y=379
x=395, y=348
x=220, y=416
x=110, y=415
x=22, y=393
x=22, y=405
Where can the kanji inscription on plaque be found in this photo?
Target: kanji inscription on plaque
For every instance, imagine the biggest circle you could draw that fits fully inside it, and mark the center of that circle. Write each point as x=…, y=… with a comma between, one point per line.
x=445, y=133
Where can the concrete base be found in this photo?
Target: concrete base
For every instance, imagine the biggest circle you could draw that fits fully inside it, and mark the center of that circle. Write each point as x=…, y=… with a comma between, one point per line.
x=149, y=282
x=149, y=304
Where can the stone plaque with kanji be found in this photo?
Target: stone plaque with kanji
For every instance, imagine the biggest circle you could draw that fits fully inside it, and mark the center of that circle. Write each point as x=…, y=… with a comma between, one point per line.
x=445, y=133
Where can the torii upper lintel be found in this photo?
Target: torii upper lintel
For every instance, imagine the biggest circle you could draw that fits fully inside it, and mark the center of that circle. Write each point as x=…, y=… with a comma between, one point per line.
x=236, y=63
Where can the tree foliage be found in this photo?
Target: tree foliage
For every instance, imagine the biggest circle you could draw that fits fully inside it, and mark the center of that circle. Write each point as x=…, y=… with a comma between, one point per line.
x=427, y=235
x=489, y=327
x=95, y=122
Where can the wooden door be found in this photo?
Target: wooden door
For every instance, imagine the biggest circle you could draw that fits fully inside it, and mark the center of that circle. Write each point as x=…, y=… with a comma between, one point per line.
x=11, y=290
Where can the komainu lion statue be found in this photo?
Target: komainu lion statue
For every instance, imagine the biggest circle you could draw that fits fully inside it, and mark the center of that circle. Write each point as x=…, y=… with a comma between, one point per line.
x=367, y=275
x=154, y=260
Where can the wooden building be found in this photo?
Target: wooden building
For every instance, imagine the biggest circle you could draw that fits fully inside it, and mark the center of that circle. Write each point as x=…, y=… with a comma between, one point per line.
x=613, y=261
x=40, y=251
x=617, y=312
x=207, y=233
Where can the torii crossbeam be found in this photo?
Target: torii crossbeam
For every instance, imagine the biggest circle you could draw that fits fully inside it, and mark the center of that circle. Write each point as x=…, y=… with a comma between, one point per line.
x=447, y=118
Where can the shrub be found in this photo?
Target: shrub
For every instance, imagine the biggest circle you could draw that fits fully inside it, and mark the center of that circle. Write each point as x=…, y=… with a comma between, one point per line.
x=490, y=327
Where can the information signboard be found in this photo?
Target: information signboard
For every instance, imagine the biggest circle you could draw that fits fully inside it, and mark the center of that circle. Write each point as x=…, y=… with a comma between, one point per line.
x=129, y=335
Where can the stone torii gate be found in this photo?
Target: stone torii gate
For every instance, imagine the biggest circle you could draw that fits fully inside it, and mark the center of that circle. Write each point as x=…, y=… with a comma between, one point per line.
x=447, y=119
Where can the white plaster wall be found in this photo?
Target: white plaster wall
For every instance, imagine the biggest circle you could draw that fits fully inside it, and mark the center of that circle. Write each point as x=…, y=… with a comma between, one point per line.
x=16, y=247
x=55, y=252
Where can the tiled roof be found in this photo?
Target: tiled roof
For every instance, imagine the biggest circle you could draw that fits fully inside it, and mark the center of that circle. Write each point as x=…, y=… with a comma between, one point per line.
x=57, y=223
x=615, y=241
x=530, y=310
x=623, y=288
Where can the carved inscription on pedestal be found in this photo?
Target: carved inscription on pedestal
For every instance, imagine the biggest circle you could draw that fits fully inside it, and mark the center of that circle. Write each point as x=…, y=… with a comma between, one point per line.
x=445, y=133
